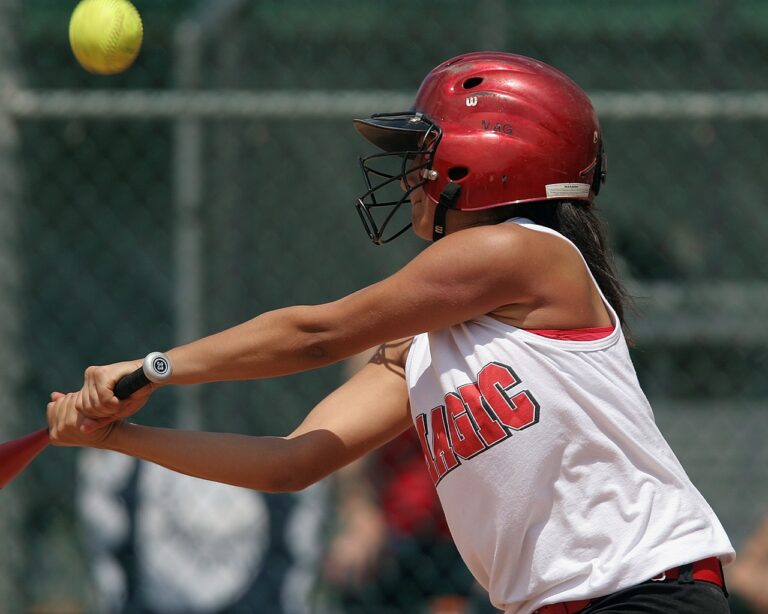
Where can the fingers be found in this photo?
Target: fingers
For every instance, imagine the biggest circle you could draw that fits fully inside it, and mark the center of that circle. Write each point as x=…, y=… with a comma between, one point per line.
x=96, y=398
x=63, y=418
x=68, y=427
x=87, y=416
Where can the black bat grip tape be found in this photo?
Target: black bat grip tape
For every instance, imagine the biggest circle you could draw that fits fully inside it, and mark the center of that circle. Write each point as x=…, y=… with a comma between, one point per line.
x=156, y=368
x=128, y=384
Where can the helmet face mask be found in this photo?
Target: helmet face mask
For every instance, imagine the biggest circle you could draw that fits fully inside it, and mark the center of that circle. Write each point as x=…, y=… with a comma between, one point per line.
x=493, y=129
x=391, y=178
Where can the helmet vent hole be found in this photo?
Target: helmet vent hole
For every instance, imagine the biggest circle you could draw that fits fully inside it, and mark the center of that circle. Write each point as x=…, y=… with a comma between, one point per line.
x=457, y=173
x=472, y=82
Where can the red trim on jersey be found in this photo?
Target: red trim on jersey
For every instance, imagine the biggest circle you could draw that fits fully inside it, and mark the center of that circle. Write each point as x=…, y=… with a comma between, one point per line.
x=575, y=334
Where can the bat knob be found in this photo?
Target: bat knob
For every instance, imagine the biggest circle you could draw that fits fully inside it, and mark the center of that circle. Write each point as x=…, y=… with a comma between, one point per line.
x=157, y=367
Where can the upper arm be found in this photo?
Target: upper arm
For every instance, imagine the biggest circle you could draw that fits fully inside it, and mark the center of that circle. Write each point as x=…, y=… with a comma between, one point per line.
x=368, y=410
x=463, y=276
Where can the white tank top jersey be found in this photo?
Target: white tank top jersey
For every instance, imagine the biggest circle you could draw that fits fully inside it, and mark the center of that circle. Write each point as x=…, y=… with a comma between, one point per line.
x=556, y=483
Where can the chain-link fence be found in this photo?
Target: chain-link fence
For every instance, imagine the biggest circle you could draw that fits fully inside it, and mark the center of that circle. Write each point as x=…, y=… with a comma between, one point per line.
x=215, y=180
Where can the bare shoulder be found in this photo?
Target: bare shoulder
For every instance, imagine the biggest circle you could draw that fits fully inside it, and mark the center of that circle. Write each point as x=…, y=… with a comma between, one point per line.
x=531, y=278
x=497, y=251
x=507, y=238
x=467, y=274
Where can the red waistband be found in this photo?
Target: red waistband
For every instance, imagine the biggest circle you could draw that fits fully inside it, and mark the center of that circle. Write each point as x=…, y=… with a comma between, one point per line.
x=706, y=570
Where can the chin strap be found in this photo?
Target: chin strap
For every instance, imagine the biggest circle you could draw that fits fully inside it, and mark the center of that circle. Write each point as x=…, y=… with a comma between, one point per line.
x=447, y=198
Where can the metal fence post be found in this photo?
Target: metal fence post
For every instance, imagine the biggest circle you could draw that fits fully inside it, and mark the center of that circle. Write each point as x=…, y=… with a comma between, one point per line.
x=188, y=172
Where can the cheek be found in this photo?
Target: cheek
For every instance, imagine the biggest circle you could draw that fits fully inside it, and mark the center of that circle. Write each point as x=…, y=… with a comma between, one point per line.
x=417, y=195
x=423, y=210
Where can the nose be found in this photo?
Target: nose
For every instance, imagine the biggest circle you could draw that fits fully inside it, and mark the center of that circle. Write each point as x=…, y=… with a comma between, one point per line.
x=412, y=176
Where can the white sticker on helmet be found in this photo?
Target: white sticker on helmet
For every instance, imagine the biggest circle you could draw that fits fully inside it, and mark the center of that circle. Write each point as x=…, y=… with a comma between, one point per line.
x=567, y=190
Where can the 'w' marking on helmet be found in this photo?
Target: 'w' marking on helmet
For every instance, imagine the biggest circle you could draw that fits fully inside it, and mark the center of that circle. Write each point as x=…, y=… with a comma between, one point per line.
x=471, y=101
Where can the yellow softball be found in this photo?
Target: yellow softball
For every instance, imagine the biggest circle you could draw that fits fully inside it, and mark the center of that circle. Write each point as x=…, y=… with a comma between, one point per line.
x=105, y=35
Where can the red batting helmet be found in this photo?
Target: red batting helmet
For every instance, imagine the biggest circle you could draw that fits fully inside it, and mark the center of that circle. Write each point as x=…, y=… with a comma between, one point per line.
x=487, y=129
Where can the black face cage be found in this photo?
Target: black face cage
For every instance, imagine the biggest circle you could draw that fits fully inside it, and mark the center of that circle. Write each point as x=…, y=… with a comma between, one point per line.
x=412, y=170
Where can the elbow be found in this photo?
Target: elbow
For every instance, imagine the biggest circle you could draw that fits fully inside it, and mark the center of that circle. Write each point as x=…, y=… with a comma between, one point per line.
x=291, y=473
x=317, y=349
x=323, y=337
x=288, y=484
x=330, y=346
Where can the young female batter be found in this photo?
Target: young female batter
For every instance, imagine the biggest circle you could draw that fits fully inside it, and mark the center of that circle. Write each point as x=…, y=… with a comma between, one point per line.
x=501, y=344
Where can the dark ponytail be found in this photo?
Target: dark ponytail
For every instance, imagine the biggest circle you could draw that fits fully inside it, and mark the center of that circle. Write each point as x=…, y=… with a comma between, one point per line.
x=578, y=222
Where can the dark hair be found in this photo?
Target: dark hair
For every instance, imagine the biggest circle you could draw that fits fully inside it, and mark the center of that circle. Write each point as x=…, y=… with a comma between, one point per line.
x=578, y=222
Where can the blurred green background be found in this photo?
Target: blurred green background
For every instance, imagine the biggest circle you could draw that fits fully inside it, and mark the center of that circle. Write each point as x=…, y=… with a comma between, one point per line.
x=216, y=178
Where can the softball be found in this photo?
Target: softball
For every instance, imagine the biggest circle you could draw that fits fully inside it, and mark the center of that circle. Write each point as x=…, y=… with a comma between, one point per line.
x=105, y=35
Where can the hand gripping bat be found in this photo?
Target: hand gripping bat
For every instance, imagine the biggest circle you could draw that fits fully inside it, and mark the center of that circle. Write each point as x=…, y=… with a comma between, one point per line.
x=16, y=454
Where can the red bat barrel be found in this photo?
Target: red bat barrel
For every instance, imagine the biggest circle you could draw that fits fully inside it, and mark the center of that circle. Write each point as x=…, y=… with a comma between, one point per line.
x=18, y=453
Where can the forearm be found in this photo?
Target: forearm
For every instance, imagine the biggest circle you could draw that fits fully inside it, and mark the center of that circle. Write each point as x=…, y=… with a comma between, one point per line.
x=275, y=343
x=365, y=412
x=259, y=463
